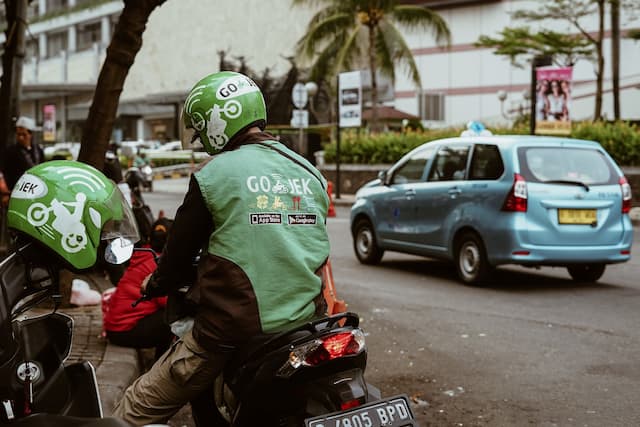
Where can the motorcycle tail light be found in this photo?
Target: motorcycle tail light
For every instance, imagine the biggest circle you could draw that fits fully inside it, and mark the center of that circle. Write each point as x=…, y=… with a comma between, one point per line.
x=322, y=350
x=350, y=404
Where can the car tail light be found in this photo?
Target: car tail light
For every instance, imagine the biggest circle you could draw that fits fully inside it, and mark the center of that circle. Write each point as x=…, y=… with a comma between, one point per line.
x=516, y=200
x=626, y=195
x=322, y=350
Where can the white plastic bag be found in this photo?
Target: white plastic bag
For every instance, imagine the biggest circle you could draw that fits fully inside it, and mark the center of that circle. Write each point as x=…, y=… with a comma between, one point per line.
x=82, y=295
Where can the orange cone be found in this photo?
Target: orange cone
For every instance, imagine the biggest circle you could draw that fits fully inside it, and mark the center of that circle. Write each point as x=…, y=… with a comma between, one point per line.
x=334, y=304
x=332, y=210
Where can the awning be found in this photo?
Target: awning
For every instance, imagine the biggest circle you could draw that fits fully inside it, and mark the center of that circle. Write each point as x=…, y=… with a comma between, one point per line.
x=389, y=114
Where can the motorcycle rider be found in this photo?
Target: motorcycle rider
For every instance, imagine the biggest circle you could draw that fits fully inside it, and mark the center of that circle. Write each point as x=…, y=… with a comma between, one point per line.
x=264, y=246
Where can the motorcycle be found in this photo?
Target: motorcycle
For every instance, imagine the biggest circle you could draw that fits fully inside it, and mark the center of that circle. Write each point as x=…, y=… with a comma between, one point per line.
x=140, y=177
x=37, y=388
x=311, y=375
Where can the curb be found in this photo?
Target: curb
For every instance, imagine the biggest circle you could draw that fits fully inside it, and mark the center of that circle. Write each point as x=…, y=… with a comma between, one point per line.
x=119, y=366
x=118, y=369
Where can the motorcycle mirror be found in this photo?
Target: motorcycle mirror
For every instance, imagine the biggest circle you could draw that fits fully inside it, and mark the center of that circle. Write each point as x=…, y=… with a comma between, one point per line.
x=118, y=251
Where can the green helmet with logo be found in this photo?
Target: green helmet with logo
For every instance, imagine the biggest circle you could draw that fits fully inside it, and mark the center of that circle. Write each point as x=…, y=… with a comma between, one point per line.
x=70, y=207
x=221, y=105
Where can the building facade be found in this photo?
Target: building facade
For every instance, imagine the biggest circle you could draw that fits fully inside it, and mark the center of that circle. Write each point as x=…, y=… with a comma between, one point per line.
x=67, y=41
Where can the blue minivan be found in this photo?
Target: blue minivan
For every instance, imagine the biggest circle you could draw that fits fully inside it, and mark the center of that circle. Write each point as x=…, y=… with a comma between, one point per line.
x=484, y=201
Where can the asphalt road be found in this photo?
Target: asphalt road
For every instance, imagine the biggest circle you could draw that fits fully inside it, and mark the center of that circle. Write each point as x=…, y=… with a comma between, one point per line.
x=532, y=348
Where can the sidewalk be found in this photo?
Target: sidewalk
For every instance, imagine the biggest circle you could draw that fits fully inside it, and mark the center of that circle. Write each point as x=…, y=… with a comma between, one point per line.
x=116, y=367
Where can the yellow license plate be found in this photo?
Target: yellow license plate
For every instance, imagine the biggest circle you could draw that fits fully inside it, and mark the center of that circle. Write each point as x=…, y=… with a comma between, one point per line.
x=577, y=216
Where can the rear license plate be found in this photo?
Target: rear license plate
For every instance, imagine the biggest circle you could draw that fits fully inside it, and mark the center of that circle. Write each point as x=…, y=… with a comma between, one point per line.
x=390, y=412
x=577, y=216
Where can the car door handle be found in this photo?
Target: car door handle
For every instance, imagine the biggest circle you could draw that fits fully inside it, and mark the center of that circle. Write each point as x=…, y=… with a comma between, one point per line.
x=454, y=192
x=410, y=194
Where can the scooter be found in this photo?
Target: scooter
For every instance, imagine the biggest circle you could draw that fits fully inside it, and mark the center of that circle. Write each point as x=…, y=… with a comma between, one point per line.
x=311, y=375
x=141, y=177
x=36, y=387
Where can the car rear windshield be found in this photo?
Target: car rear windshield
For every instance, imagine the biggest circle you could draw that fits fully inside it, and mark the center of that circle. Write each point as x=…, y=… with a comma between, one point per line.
x=566, y=164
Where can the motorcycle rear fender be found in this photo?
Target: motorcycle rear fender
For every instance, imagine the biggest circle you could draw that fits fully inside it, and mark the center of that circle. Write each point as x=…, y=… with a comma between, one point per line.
x=327, y=394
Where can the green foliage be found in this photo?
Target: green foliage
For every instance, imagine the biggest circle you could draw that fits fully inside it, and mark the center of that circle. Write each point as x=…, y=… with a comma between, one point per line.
x=620, y=139
x=379, y=148
x=521, y=44
x=348, y=34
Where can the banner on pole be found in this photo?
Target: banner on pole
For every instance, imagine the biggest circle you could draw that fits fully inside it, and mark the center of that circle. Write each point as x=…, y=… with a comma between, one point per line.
x=49, y=123
x=350, y=101
x=553, y=100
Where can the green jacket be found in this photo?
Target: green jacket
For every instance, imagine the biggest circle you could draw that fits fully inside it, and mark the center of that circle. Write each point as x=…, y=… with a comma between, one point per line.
x=261, y=272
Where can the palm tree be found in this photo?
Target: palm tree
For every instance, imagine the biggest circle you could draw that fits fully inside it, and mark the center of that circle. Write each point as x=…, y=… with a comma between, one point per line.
x=345, y=33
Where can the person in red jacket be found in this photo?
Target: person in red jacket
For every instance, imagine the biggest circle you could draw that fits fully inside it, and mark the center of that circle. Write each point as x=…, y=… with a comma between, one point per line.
x=142, y=326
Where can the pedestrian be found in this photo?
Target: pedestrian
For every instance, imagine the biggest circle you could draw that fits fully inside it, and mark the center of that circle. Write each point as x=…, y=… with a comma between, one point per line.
x=259, y=211
x=24, y=154
x=112, y=168
x=142, y=325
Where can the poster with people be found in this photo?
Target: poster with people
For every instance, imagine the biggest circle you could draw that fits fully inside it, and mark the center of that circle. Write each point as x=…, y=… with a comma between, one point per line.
x=553, y=100
x=49, y=123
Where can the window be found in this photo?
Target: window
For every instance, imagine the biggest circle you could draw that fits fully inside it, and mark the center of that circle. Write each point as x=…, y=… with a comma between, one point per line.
x=88, y=34
x=486, y=162
x=55, y=5
x=450, y=164
x=566, y=164
x=32, y=49
x=56, y=43
x=431, y=106
x=413, y=169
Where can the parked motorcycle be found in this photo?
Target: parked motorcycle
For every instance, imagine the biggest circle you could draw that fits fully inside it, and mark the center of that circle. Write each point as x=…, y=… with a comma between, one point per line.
x=50, y=202
x=311, y=375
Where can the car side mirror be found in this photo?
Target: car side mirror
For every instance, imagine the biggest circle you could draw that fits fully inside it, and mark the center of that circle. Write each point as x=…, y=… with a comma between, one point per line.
x=382, y=176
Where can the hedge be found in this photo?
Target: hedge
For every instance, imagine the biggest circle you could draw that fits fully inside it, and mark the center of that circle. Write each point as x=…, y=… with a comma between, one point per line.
x=620, y=139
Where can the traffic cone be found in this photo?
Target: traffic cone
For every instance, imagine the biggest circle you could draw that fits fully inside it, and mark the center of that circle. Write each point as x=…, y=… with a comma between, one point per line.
x=332, y=209
x=334, y=304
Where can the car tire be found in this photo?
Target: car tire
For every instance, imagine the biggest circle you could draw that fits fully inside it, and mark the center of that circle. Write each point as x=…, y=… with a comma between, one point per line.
x=364, y=243
x=471, y=260
x=586, y=272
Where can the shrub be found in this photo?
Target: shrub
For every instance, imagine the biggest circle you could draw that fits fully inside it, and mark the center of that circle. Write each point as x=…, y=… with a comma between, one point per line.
x=620, y=139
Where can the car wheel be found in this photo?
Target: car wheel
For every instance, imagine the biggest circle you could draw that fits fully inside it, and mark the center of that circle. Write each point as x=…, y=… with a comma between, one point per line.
x=586, y=272
x=364, y=243
x=471, y=260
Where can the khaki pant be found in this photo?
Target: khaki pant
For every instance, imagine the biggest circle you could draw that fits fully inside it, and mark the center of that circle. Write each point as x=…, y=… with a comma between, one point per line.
x=179, y=376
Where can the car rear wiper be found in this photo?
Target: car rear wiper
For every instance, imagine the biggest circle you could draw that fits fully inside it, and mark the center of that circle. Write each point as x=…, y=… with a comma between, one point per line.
x=562, y=181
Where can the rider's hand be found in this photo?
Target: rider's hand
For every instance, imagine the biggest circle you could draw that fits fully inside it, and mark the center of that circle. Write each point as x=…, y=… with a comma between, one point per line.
x=149, y=288
x=143, y=285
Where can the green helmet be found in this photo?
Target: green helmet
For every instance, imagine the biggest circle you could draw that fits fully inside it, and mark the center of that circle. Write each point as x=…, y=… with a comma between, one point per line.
x=70, y=207
x=221, y=105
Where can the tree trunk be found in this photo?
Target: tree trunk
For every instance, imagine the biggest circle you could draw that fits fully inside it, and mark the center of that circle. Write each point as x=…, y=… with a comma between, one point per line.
x=11, y=80
x=600, y=59
x=121, y=53
x=615, y=56
x=374, y=83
